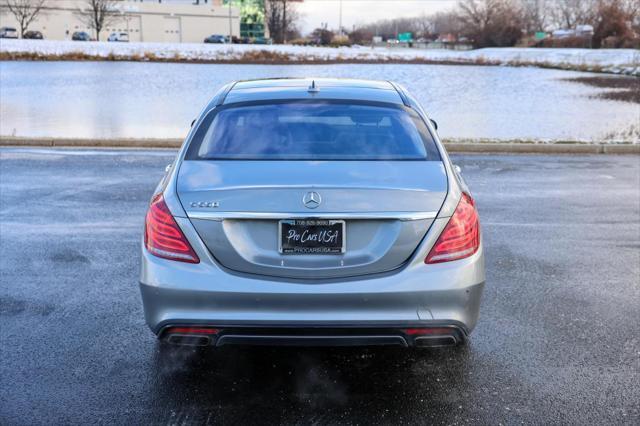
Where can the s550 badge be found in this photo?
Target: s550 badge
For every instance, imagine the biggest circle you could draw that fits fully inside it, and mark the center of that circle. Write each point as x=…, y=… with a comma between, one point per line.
x=205, y=204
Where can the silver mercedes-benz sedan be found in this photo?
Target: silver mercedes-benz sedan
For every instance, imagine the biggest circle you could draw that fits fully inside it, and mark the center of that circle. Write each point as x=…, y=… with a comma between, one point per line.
x=312, y=212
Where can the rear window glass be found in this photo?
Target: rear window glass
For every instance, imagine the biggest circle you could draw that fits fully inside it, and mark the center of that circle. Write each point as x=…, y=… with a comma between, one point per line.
x=313, y=131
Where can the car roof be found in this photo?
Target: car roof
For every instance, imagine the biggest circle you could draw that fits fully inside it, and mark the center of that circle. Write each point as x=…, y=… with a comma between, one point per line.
x=313, y=88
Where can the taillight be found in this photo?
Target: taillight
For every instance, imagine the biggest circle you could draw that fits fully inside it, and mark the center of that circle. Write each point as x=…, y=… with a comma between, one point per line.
x=163, y=237
x=461, y=237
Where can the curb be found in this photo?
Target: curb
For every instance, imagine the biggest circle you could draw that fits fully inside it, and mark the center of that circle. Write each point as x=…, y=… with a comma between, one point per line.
x=90, y=143
x=463, y=147
x=543, y=148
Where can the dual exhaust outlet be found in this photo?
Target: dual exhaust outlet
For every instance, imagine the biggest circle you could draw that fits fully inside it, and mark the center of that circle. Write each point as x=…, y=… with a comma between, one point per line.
x=425, y=337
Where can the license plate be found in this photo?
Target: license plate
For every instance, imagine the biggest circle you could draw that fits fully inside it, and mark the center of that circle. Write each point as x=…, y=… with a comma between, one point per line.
x=312, y=236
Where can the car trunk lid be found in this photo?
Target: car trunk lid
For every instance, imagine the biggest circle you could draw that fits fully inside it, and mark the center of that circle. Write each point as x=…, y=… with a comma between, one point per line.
x=236, y=207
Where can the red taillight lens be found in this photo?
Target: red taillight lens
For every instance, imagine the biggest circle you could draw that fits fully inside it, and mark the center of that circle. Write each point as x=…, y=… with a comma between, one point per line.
x=461, y=237
x=163, y=237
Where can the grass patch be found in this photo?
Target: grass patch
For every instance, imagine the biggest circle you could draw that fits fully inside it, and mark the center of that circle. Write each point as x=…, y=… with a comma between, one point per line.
x=264, y=56
x=627, y=88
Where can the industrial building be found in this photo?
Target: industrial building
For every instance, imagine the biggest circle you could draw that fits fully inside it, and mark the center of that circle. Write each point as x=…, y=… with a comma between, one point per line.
x=147, y=21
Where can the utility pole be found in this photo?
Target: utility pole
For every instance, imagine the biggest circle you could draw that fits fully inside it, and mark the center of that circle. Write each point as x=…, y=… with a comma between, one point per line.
x=284, y=22
x=340, y=24
x=230, y=24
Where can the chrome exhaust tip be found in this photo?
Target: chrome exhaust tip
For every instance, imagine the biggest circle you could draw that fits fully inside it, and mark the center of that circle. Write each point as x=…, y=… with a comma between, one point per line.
x=189, y=340
x=435, y=341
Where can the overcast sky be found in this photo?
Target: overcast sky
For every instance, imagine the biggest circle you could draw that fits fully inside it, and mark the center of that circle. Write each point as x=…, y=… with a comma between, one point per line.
x=315, y=12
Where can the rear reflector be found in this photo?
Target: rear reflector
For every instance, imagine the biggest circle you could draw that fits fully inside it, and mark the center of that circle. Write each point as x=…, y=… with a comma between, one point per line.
x=461, y=237
x=428, y=331
x=163, y=237
x=192, y=330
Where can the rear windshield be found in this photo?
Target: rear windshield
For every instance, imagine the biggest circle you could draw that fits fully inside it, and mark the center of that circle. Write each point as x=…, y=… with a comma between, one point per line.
x=313, y=131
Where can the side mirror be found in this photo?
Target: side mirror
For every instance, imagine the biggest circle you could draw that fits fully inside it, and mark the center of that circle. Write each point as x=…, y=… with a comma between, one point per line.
x=193, y=122
x=435, y=125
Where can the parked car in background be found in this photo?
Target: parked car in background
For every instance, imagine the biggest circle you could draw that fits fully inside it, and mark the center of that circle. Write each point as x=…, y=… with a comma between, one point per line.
x=216, y=39
x=312, y=212
x=81, y=36
x=262, y=40
x=121, y=37
x=33, y=35
x=8, y=32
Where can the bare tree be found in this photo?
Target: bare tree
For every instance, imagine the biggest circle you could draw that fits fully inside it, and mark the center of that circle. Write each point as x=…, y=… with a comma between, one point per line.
x=423, y=26
x=25, y=12
x=569, y=13
x=535, y=14
x=632, y=8
x=98, y=14
x=273, y=18
x=614, y=19
x=445, y=23
x=322, y=35
x=490, y=22
x=282, y=18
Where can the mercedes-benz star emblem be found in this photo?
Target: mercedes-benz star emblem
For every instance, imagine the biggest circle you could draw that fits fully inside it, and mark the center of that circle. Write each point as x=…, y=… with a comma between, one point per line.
x=311, y=200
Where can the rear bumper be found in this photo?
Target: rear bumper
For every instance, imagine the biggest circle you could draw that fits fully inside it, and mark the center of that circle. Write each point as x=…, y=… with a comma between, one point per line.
x=240, y=305
x=335, y=312
x=394, y=309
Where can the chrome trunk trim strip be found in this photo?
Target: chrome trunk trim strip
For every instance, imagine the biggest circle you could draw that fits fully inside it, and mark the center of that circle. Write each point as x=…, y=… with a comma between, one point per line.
x=402, y=216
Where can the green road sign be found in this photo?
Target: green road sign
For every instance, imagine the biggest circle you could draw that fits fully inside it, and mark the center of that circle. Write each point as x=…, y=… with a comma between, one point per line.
x=540, y=35
x=405, y=37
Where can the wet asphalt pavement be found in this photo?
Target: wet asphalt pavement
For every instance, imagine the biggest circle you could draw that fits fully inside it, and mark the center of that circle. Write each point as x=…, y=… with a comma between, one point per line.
x=558, y=339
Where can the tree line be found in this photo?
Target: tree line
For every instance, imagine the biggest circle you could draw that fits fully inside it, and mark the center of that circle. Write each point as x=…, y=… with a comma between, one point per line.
x=484, y=23
x=487, y=23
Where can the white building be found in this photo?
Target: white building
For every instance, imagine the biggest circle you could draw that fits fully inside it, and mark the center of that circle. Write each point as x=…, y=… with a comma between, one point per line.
x=148, y=20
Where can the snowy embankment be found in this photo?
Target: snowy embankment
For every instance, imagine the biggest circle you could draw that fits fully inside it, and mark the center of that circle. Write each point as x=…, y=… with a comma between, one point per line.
x=616, y=61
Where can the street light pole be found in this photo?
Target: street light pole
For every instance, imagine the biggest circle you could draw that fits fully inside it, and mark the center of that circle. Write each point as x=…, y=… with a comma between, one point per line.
x=340, y=24
x=230, y=25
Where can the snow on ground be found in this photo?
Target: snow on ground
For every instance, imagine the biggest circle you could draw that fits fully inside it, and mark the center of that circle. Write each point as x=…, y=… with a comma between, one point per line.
x=617, y=61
